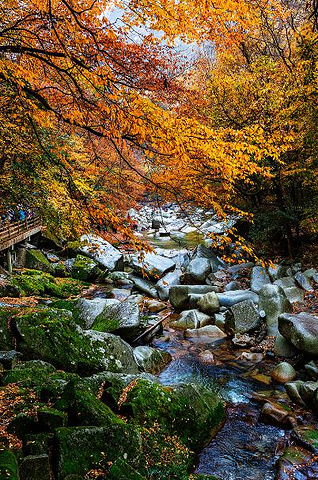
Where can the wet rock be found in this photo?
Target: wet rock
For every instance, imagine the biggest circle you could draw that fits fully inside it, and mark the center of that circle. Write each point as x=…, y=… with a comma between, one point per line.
x=197, y=271
x=233, y=285
x=296, y=463
x=151, y=360
x=274, y=414
x=227, y=299
x=273, y=301
x=259, y=278
x=303, y=282
x=301, y=330
x=164, y=284
x=283, y=348
x=154, y=306
x=209, y=303
x=293, y=391
x=242, y=318
x=242, y=340
x=144, y=285
x=179, y=294
x=209, y=332
x=307, y=392
x=191, y=319
x=153, y=265
x=312, y=369
x=307, y=437
x=102, y=252
x=35, y=467
x=88, y=310
x=121, y=318
x=283, y=372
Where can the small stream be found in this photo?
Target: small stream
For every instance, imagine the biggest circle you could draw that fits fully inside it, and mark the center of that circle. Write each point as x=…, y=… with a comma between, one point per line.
x=244, y=449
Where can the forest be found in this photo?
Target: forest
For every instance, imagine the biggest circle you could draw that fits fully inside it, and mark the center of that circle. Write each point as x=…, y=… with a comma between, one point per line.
x=158, y=239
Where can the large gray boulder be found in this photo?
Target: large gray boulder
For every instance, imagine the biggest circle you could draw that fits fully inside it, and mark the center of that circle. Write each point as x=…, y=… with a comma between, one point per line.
x=179, y=294
x=227, y=299
x=191, y=319
x=197, y=271
x=259, y=278
x=206, y=253
x=301, y=330
x=273, y=301
x=164, y=284
x=303, y=281
x=209, y=303
x=121, y=318
x=151, y=360
x=144, y=285
x=102, y=251
x=152, y=265
x=88, y=310
x=242, y=318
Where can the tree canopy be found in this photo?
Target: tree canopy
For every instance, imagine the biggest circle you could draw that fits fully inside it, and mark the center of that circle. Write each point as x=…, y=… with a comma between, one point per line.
x=90, y=117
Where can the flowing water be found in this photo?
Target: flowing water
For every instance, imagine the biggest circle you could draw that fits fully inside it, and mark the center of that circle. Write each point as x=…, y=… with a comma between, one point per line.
x=245, y=448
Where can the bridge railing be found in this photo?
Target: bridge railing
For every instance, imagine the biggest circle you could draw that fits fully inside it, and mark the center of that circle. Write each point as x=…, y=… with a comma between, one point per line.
x=11, y=230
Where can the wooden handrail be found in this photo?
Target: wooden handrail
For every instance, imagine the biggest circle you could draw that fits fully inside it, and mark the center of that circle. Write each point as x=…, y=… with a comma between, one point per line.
x=10, y=230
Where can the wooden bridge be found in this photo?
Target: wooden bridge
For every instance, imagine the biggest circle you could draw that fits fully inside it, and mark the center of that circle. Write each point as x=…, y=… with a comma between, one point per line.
x=15, y=232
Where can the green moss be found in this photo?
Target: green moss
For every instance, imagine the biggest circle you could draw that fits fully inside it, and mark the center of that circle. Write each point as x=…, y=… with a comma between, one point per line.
x=105, y=323
x=52, y=336
x=120, y=470
x=37, y=260
x=105, y=444
x=191, y=413
x=38, y=444
x=84, y=268
x=8, y=466
x=50, y=418
x=34, y=282
x=60, y=270
x=84, y=407
x=31, y=373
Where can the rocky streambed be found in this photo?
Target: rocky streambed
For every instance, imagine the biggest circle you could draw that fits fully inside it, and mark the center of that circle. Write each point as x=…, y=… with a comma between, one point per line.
x=198, y=367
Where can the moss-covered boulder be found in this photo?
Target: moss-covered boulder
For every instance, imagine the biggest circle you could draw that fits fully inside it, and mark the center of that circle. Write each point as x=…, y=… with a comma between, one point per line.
x=35, y=259
x=34, y=282
x=85, y=268
x=31, y=373
x=80, y=449
x=52, y=335
x=192, y=412
x=8, y=465
x=121, y=318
